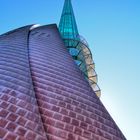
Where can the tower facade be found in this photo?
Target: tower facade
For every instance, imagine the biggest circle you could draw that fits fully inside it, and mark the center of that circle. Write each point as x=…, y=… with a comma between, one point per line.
x=43, y=93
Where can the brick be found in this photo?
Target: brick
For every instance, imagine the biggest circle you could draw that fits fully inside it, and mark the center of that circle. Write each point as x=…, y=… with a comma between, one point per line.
x=73, y=96
x=78, y=110
x=3, y=113
x=12, y=108
x=61, y=134
x=3, y=122
x=53, y=101
x=30, y=107
x=31, y=136
x=71, y=136
x=13, y=93
x=11, y=136
x=75, y=103
x=69, y=127
x=50, y=121
x=58, y=91
x=21, y=112
x=116, y=138
x=4, y=105
x=40, y=138
x=89, y=121
x=24, y=99
x=13, y=100
x=51, y=130
x=46, y=105
x=12, y=117
x=30, y=125
x=86, y=113
x=92, y=129
x=57, y=116
x=100, y=119
x=62, y=104
x=64, y=111
x=87, y=134
x=11, y=126
x=83, y=106
x=98, y=112
x=60, y=98
x=81, y=138
x=99, y=132
x=97, y=124
x=80, y=99
x=91, y=109
x=21, y=131
x=52, y=137
x=45, y=99
x=108, y=136
x=5, y=97
x=93, y=116
x=111, y=131
x=68, y=100
x=105, y=128
x=70, y=107
x=83, y=125
x=78, y=131
x=80, y=117
x=2, y=132
x=21, y=121
x=50, y=89
x=66, y=119
x=72, y=114
x=75, y=122
x=95, y=137
x=59, y=125
x=30, y=116
x=22, y=103
x=55, y=108
x=105, y=115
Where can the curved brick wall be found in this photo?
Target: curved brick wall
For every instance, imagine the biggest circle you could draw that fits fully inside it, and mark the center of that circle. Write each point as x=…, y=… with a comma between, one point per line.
x=43, y=94
x=19, y=112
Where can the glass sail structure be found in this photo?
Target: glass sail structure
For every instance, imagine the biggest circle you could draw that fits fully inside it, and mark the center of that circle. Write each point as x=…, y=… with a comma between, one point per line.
x=77, y=45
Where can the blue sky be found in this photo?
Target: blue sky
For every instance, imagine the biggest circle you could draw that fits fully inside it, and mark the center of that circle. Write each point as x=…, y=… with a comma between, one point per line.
x=112, y=29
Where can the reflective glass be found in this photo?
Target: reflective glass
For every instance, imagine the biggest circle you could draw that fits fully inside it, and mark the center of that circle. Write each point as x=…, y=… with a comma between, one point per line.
x=77, y=45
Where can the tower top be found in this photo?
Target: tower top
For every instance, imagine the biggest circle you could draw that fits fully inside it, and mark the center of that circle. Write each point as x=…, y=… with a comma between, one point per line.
x=77, y=46
x=67, y=25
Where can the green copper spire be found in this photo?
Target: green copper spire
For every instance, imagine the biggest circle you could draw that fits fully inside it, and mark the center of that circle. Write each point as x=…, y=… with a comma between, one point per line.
x=77, y=46
x=67, y=25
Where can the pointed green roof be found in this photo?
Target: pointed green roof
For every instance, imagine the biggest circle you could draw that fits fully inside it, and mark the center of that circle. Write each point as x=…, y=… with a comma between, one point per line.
x=67, y=25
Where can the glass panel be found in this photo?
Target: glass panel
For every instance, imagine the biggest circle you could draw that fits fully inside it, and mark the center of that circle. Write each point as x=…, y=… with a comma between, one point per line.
x=77, y=45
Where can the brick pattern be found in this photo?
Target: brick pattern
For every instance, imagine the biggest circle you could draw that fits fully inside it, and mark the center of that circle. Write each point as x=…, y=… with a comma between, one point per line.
x=44, y=95
x=19, y=117
x=69, y=108
x=19, y=114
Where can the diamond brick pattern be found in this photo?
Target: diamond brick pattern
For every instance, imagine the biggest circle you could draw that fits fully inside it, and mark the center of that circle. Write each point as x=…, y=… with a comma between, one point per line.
x=44, y=95
x=19, y=111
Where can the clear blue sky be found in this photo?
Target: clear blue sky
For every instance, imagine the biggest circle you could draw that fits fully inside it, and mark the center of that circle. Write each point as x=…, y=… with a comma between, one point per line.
x=112, y=29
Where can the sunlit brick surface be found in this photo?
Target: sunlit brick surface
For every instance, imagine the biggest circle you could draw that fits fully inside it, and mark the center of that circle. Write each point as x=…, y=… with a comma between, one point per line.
x=43, y=94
